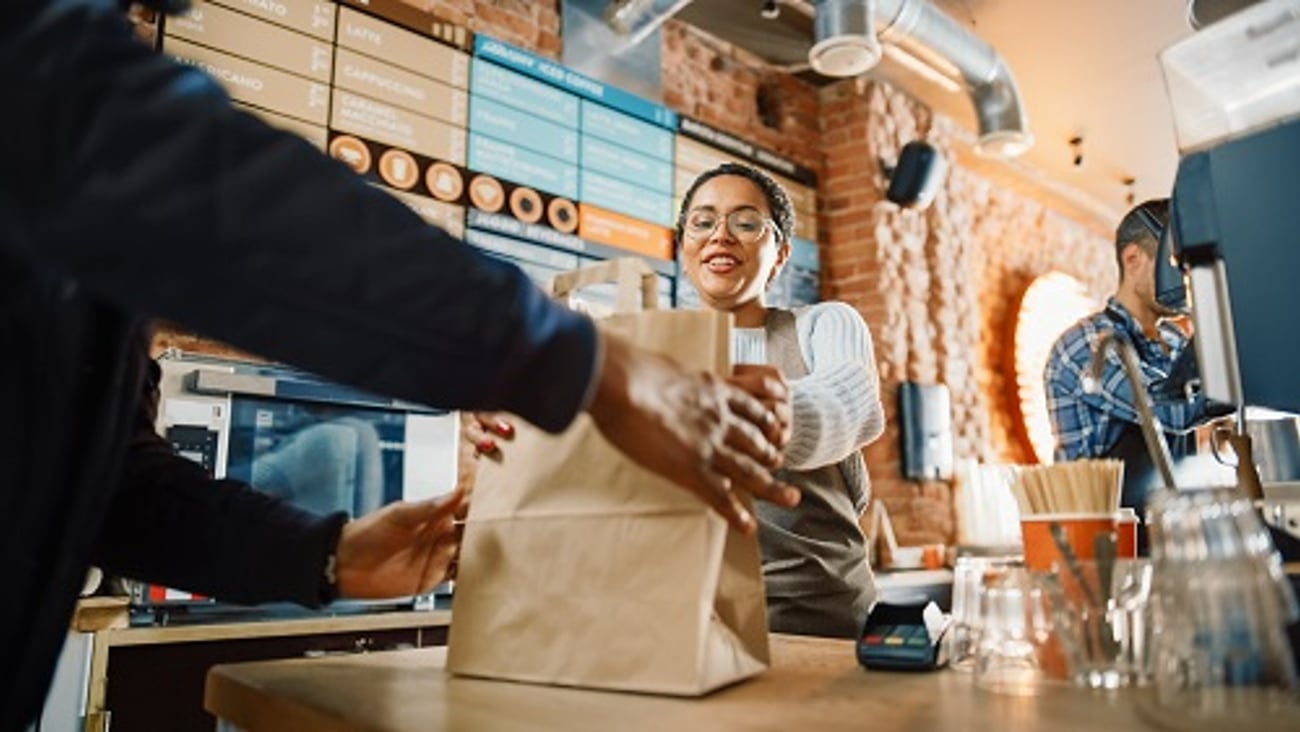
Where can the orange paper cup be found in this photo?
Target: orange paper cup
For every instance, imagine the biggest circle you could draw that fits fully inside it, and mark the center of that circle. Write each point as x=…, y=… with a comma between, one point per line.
x=1080, y=530
x=1126, y=529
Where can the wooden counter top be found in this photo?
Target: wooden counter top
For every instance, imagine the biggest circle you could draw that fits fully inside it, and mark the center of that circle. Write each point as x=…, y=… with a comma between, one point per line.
x=276, y=627
x=813, y=684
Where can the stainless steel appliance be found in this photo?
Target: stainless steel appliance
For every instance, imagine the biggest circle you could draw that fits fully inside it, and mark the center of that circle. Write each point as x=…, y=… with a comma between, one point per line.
x=319, y=445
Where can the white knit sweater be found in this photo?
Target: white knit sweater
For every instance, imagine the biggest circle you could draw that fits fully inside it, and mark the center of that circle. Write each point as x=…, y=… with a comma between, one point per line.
x=837, y=405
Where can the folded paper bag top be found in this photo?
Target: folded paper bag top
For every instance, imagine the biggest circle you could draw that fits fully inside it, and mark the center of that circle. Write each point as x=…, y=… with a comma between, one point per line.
x=581, y=568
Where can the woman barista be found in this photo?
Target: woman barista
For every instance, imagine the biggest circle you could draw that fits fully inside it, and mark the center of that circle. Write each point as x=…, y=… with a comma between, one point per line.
x=734, y=235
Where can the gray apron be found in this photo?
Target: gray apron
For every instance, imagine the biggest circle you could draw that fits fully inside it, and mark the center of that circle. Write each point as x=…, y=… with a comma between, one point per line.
x=815, y=566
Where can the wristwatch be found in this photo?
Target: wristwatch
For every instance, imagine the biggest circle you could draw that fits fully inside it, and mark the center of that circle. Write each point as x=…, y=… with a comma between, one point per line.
x=329, y=575
x=329, y=580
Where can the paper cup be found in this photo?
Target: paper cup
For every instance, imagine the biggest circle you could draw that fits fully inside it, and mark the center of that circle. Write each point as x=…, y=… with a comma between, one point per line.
x=1126, y=530
x=1041, y=551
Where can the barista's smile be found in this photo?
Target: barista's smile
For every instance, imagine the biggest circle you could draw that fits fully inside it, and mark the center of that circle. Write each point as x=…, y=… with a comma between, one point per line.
x=721, y=263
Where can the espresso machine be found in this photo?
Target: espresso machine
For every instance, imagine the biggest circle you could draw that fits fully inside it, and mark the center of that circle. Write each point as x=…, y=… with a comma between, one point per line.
x=1234, y=89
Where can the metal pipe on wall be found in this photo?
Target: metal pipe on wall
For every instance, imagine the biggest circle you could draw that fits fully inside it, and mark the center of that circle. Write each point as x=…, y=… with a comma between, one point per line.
x=923, y=30
x=636, y=19
x=846, y=45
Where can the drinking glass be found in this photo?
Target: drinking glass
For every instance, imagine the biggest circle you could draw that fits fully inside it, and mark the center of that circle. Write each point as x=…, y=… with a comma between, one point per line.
x=1102, y=619
x=969, y=575
x=1015, y=629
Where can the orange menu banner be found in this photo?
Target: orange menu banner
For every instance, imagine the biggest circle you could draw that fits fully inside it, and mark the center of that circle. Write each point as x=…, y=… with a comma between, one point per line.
x=606, y=227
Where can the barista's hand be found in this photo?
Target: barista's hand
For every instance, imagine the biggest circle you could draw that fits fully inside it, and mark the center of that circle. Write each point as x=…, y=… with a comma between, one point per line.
x=484, y=430
x=405, y=548
x=767, y=384
x=692, y=428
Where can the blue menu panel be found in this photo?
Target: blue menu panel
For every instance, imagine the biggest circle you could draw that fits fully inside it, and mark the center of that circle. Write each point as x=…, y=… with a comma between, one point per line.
x=798, y=283
x=519, y=91
x=518, y=164
x=497, y=223
x=565, y=78
x=622, y=163
x=605, y=123
x=625, y=198
x=803, y=254
x=507, y=123
x=522, y=251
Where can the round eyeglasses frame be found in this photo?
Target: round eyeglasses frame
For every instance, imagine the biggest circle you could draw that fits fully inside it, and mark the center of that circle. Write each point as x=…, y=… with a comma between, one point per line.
x=739, y=235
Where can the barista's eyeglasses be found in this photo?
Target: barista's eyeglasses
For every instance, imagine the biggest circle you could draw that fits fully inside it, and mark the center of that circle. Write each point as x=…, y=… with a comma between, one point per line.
x=745, y=224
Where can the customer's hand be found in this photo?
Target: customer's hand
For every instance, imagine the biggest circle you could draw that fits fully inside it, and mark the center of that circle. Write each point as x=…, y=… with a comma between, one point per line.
x=768, y=385
x=694, y=429
x=405, y=548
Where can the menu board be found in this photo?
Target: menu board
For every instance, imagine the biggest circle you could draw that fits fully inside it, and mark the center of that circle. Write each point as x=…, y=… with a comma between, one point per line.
x=276, y=62
x=572, y=137
x=516, y=154
x=387, y=95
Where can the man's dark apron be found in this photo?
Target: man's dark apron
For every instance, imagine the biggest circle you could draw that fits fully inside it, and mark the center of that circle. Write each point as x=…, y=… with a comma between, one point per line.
x=1141, y=477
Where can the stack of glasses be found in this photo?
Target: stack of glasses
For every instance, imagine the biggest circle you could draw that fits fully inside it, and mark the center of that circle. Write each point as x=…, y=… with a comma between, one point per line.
x=1221, y=610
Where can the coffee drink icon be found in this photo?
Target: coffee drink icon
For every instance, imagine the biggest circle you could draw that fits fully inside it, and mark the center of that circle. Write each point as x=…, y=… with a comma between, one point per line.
x=562, y=215
x=444, y=181
x=526, y=205
x=486, y=193
x=398, y=169
x=352, y=151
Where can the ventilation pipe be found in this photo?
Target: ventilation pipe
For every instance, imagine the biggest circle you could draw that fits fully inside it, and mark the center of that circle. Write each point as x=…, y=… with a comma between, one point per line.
x=845, y=42
x=922, y=30
x=636, y=19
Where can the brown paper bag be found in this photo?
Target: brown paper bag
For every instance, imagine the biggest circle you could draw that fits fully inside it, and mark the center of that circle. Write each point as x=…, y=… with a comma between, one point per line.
x=580, y=568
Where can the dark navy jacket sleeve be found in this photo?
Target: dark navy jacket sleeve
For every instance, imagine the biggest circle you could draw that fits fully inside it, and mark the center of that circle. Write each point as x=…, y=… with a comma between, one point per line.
x=130, y=187
x=172, y=523
x=133, y=175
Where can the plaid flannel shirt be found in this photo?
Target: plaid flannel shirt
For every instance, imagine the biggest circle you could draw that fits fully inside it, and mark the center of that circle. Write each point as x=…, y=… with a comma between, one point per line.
x=1088, y=424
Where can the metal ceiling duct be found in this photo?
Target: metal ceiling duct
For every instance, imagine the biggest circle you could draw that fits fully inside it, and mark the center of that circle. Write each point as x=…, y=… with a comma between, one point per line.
x=844, y=38
x=636, y=19
x=847, y=38
x=1201, y=13
x=920, y=29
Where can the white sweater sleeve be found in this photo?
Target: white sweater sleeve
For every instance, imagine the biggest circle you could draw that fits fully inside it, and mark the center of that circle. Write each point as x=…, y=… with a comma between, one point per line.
x=837, y=405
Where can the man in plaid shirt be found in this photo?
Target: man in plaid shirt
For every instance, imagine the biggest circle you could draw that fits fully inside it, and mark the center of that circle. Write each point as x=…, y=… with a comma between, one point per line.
x=1104, y=422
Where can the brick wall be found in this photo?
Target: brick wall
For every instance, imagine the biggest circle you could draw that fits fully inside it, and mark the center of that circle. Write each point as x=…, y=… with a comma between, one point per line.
x=936, y=287
x=720, y=85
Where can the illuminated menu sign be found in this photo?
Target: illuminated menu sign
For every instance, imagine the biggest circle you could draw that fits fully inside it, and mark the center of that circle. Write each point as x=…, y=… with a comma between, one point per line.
x=534, y=120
